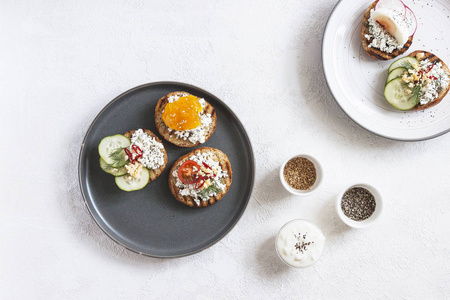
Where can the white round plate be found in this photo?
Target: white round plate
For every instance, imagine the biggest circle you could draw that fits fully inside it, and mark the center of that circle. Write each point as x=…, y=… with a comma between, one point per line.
x=357, y=81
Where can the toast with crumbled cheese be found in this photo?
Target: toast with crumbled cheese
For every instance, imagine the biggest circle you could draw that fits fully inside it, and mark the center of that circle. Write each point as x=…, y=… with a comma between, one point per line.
x=220, y=166
x=374, y=52
x=424, y=55
x=154, y=173
x=186, y=138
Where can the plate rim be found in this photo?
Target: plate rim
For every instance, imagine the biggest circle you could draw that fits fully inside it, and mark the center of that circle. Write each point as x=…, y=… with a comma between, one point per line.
x=325, y=68
x=246, y=138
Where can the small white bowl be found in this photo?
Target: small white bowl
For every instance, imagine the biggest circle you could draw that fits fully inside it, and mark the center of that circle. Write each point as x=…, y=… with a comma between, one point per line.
x=370, y=220
x=317, y=257
x=319, y=176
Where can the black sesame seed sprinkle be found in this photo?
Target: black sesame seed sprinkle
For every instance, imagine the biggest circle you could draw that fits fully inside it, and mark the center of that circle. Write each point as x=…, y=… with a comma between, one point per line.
x=358, y=204
x=301, y=246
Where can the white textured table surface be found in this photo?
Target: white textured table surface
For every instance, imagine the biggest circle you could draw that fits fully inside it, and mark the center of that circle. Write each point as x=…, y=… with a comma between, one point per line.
x=62, y=62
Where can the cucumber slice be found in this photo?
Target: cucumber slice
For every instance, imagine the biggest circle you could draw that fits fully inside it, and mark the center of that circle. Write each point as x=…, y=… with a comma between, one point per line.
x=120, y=171
x=396, y=73
x=395, y=94
x=133, y=184
x=400, y=62
x=109, y=145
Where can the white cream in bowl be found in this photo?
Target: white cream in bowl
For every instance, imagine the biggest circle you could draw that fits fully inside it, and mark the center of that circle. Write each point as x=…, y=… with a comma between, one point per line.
x=299, y=243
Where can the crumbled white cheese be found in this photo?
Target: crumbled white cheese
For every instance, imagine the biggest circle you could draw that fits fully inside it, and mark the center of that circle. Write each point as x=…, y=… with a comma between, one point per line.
x=430, y=88
x=152, y=150
x=174, y=98
x=381, y=38
x=197, y=134
x=216, y=169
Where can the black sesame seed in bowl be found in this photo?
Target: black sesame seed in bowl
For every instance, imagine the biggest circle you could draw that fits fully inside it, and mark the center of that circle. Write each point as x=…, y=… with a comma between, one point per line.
x=359, y=205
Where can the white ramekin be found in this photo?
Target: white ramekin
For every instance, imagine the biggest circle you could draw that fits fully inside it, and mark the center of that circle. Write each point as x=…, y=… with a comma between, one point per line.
x=278, y=235
x=369, y=221
x=319, y=176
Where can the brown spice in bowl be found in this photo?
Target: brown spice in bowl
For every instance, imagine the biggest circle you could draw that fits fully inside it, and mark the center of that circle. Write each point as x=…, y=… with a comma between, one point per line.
x=300, y=173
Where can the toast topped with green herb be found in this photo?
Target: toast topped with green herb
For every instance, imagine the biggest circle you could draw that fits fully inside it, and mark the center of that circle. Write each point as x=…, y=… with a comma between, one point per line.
x=417, y=81
x=134, y=159
x=200, y=178
x=437, y=78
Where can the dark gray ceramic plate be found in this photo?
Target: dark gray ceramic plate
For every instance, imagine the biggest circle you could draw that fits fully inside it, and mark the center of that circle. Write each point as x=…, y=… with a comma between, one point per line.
x=151, y=221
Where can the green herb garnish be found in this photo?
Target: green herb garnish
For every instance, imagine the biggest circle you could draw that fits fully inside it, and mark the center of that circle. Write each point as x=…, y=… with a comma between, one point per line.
x=109, y=168
x=407, y=65
x=416, y=92
x=213, y=188
x=118, y=157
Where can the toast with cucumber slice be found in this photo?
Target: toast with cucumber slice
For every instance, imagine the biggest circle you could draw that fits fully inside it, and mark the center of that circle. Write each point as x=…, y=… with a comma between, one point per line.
x=417, y=82
x=134, y=159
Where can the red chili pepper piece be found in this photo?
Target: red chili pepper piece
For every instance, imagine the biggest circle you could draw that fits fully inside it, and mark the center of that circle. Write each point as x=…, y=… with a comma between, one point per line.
x=430, y=68
x=128, y=153
x=433, y=77
x=200, y=182
x=138, y=151
x=206, y=166
x=421, y=74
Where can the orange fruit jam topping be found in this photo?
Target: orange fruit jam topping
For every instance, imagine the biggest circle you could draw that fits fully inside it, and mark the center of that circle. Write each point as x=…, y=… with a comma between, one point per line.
x=183, y=114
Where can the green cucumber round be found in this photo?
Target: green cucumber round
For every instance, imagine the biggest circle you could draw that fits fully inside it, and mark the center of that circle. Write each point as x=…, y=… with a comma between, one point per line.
x=128, y=183
x=108, y=150
x=396, y=73
x=119, y=171
x=395, y=93
x=402, y=61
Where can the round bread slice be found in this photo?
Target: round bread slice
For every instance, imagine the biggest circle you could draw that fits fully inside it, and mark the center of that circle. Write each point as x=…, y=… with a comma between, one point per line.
x=154, y=173
x=169, y=135
x=374, y=52
x=423, y=55
x=188, y=200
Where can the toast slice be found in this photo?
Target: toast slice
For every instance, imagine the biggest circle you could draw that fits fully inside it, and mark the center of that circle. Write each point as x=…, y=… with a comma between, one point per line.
x=374, y=52
x=224, y=163
x=423, y=55
x=154, y=173
x=169, y=135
